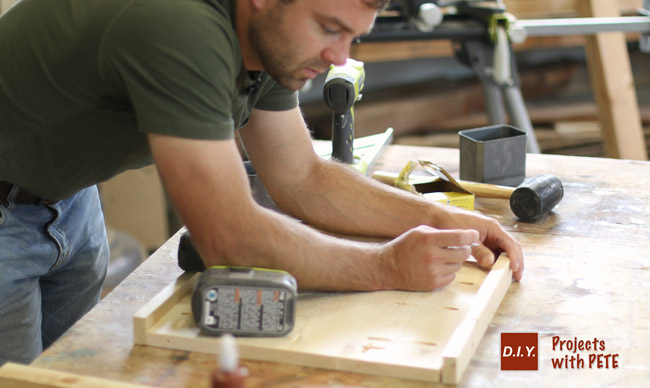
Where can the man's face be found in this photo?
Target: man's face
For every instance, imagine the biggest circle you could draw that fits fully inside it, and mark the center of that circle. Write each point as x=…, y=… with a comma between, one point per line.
x=295, y=41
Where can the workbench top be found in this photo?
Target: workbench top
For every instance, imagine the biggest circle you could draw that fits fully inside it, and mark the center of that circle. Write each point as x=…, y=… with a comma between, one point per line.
x=587, y=277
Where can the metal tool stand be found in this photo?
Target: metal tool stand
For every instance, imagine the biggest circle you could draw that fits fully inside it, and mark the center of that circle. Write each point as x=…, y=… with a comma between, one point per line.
x=473, y=28
x=501, y=94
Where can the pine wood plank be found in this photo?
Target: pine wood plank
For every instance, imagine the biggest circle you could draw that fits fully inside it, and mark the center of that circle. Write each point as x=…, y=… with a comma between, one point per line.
x=404, y=50
x=388, y=333
x=161, y=304
x=460, y=348
x=23, y=376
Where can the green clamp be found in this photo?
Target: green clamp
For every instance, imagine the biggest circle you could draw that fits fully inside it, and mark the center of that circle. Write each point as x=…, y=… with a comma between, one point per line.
x=497, y=20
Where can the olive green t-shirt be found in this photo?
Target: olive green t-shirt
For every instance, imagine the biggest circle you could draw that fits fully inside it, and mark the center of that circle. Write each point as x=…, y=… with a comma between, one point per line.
x=82, y=83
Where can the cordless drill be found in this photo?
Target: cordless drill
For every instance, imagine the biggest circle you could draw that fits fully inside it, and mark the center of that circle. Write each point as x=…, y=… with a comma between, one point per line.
x=342, y=89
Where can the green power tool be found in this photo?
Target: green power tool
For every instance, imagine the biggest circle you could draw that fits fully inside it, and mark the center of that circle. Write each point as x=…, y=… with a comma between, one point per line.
x=239, y=300
x=342, y=89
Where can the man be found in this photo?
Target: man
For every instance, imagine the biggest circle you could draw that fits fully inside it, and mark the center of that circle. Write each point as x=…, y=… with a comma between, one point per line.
x=89, y=89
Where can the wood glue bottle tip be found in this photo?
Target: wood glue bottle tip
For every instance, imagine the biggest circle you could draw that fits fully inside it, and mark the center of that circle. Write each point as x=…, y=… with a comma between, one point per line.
x=228, y=374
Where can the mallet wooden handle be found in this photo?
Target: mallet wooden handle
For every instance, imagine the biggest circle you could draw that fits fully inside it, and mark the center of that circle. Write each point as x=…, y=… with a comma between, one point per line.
x=486, y=190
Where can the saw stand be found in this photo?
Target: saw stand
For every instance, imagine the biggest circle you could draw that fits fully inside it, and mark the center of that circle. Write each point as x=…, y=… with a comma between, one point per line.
x=483, y=34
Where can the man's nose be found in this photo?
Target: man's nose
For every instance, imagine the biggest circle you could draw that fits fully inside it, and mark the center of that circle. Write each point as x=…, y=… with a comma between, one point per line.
x=337, y=54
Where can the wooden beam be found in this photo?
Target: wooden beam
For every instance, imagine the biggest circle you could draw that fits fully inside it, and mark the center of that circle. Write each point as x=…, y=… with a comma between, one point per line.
x=533, y=9
x=404, y=50
x=613, y=86
x=23, y=376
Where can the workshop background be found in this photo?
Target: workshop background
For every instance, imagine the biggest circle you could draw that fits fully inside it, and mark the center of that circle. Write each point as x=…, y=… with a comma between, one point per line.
x=426, y=96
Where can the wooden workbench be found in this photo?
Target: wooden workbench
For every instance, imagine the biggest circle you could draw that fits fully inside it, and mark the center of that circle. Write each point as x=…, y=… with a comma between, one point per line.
x=587, y=276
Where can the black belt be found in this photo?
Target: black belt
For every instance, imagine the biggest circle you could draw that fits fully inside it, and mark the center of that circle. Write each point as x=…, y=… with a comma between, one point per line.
x=22, y=196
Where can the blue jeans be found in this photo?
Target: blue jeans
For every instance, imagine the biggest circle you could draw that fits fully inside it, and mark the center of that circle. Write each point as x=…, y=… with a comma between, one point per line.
x=53, y=260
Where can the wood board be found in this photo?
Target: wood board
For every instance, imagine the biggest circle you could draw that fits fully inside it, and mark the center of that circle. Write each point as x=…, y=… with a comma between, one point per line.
x=427, y=336
x=23, y=376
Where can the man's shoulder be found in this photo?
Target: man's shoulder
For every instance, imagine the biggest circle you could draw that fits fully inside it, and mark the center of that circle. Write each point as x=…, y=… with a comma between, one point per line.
x=157, y=29
x=184, y=8
x=179, y=15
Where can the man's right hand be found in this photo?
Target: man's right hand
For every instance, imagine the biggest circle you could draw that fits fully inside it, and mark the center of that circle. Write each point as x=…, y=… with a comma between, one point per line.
x=425, y=258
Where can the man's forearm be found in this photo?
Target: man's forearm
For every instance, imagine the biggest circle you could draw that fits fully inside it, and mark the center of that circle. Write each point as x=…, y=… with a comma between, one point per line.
x=207, y=183
x=317, y=260
x=339, y=199
x=419, y=259
x=329, y=195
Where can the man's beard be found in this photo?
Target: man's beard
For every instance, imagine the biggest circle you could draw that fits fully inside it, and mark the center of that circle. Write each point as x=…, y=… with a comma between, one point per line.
x=280, y=61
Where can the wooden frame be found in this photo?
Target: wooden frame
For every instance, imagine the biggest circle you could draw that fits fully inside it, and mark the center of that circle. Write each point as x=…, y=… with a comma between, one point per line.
x=427, y=336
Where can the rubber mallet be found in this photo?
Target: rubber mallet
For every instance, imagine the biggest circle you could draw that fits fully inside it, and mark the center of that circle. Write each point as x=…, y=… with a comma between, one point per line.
x=531, y=200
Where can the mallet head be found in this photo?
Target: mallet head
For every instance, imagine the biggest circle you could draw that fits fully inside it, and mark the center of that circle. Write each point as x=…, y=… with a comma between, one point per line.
x=536, y=197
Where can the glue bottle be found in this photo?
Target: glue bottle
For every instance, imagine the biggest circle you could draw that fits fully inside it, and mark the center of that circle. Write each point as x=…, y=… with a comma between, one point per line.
x=229, y=374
